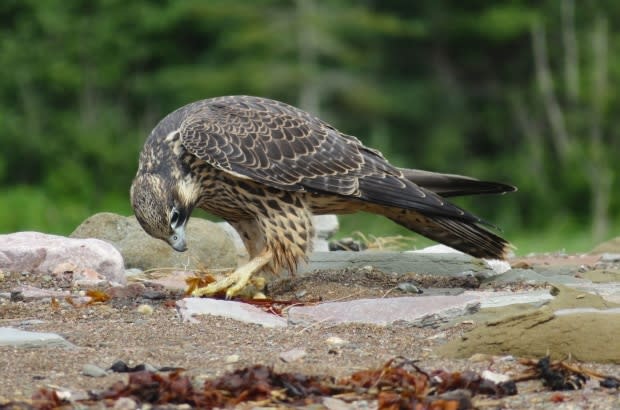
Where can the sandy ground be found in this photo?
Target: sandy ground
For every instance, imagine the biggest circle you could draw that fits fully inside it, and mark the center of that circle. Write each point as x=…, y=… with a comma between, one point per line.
x=117, y=330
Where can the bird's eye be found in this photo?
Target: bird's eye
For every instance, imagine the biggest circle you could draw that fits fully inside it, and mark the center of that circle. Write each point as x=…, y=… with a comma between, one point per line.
x=174, y=218
x=175, y=238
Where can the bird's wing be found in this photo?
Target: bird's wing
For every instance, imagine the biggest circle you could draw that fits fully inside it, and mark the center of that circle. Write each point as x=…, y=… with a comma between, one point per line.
x=281, y=146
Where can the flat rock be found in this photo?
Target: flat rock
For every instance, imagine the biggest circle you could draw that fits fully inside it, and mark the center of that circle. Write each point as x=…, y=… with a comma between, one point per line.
x=243, y=312
x=209, y=245
x=21, y=338
x=610, y=246
x=28, y=293
x=446, y=264
x=41, y=253
x=423, y=310
x=581, y=325
x=490, y=299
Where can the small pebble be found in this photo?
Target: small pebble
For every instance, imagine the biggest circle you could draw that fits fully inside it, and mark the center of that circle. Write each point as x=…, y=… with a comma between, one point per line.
x=292, y=355
x=335, y=341
x=300, y=294
x=145, y=309
x=93, y=371
x=233, y=358
x=16, y=296
x=150, y=368
x=409, y=288
x=495, y=377
x=125, y=403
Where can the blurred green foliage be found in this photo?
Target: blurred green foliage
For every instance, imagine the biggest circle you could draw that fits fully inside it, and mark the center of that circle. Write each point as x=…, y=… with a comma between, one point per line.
x=443, y=85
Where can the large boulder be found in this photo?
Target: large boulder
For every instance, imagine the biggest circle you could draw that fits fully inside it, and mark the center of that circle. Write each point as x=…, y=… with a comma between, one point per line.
x=209, y=246
x=41, y=253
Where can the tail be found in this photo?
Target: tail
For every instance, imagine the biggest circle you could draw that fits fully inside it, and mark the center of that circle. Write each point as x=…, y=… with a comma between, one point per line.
x=464, y=236
x=454, y=185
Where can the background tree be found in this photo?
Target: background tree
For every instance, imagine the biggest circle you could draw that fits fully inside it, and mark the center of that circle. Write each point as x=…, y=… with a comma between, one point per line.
x=512, y=90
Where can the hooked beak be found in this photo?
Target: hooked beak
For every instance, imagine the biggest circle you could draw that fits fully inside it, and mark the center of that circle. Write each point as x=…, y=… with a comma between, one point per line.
x=177, y=239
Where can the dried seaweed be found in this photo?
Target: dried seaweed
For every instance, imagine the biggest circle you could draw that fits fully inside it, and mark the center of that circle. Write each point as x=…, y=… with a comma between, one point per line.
x=560, y=375
x=399, y=384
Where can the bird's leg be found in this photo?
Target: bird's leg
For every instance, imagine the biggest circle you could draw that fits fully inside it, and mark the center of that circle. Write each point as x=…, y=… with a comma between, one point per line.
x=238, y=279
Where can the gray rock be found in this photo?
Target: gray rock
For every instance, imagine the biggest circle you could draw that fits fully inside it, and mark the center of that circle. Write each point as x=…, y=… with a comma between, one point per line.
x=44, y=254
x=20, y=338
x=325, y=226
x=451, y=264
x=423, y=310
x=243, y=312
x=610, y=257
x=490, y=299
x=209, y=246
x=28, y=293
x=92, y=370
x=293, y=355
x=564, y=275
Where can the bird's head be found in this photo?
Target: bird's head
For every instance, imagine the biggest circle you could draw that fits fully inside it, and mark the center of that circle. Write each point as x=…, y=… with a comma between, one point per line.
x=163, y=207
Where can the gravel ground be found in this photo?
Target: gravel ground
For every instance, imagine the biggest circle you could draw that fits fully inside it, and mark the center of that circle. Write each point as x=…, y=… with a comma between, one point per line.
x=120, y=329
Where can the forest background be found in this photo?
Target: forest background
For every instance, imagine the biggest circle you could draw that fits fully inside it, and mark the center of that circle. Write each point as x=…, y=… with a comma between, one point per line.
x=524, y=92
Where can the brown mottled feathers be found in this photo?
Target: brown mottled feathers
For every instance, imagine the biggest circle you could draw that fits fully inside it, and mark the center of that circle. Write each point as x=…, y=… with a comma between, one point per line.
x=274, y=146
x=284, y=147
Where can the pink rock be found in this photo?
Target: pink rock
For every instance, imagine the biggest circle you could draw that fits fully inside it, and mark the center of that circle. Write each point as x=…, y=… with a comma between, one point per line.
x=32, y=292
x=422, y=310
x=41, y=253
x=243, y=312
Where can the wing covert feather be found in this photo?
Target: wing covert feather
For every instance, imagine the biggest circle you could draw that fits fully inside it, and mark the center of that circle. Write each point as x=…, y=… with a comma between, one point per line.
x=284, y=147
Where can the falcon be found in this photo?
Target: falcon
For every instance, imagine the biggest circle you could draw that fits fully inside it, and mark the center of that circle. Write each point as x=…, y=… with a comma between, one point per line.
x=266, y=167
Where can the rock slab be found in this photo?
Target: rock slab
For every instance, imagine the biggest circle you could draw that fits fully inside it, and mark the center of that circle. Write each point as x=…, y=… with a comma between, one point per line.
x=20, y=338
x=209, y=245
x=580, y=325
x=41, y=253
x=424, y=310
x=243, y=312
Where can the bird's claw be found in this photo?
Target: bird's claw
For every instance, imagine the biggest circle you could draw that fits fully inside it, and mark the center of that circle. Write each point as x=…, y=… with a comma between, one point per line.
x=233, y=284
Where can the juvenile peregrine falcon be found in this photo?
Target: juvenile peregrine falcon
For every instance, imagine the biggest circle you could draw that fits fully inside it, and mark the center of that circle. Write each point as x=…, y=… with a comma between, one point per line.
x=266, y=167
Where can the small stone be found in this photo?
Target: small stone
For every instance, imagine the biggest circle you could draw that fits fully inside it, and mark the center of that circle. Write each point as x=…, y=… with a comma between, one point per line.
x=145, y=309
x=335, y=341
x=150, y=368
x=300, y=294
x=133, y=272
x=154, y=294
x=610, y=257
x=125, y=403
x=16, y=296
x=331, y=403
x=292, y=355
x=409, y=288
x=233, y=358
x=92, y=370
x=495, y=377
